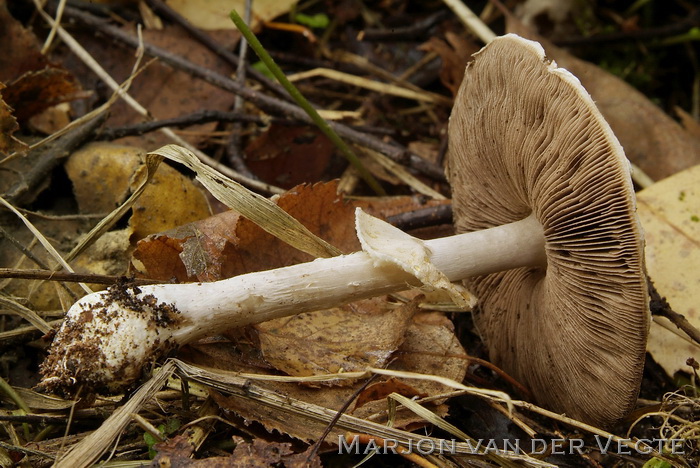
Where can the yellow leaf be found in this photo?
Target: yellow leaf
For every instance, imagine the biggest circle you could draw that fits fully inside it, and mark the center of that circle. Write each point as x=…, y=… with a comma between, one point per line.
x=670, y=214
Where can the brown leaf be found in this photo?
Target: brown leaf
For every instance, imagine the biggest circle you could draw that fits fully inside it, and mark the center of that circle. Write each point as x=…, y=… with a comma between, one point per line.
x=455, y=53
x=165, y=92
x=232, y=245
x=260, y=454
x=36, y=91
x=416, y=356
x=364, y=334
x=431, y=347
x=177, y=447
x=651, y=139
x=21, y=48
x=287, y=156
x=8, y=126
x=104, y=174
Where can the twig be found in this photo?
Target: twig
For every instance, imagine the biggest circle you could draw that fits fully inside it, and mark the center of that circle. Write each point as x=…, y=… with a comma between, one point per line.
x=305, y=104
x=679, y=27
x=49, y=275
x=204, y=116
x=267, y=103
x=233, y=146
x=341, y=411
x=424, y=217
x=46, y=158
x=164, y=10
x=659, y=306
x=417, y=30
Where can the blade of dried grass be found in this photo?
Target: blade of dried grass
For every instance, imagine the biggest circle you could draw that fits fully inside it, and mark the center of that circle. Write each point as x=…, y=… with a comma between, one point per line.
x=91, y=448
x=19, y=331
x=26, y=313
x=372, y=85
x=437, y=421
x=403, y=174
x=43, y=240
x=471, y=20
x=256, y=208
x=235, y=384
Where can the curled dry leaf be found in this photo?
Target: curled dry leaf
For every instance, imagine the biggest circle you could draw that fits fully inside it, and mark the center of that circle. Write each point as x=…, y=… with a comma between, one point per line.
x=670, y=214
x=350, y=338
x=455, y=53
x=428, y=341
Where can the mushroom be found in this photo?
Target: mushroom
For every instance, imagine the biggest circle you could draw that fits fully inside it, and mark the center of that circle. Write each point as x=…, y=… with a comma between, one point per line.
x=527, y=140
x=535, y=167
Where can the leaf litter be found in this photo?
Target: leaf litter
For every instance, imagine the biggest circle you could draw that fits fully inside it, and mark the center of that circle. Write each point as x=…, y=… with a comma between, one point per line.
x=186, y=244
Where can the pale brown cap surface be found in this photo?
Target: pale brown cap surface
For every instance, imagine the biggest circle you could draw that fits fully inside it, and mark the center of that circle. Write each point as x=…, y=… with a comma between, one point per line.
x=525, y=137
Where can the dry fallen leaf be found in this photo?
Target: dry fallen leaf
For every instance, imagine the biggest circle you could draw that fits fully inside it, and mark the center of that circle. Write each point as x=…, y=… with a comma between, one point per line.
x=455, y=53
x=429, y=342
x=164, y=91
x=670, y=214
x=345, y=339
x=36, y=91
x=105, y=174
x=213, y=14
x=21, y=48
x=227, y=244
x=287, y=156
x=8, y=126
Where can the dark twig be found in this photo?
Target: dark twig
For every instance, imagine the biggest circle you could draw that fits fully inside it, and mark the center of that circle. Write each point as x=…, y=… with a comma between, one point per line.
x=264, y=102
x=48, y=275
x=659, y=306
x=424, y=217
x=186, y=120
x=679, y=27
x=45, y=158
x=165, y=11
x=205, y=116
x=233, y=146
x=337, y=416
x=414, y=32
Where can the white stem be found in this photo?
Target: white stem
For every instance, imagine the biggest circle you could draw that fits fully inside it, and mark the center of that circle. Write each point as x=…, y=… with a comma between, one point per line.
x=108, y=337
x=329, y=282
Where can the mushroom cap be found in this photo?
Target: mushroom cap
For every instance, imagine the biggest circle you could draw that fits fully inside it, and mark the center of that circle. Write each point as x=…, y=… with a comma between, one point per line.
x=526, y=138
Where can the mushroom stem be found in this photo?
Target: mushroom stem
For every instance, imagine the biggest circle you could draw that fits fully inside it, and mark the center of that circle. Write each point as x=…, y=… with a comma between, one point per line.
x=110, y=335
x=330, y=282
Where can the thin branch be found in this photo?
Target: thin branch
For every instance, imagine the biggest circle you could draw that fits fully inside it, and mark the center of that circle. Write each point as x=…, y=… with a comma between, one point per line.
x=48, y=275
x=167, y=12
